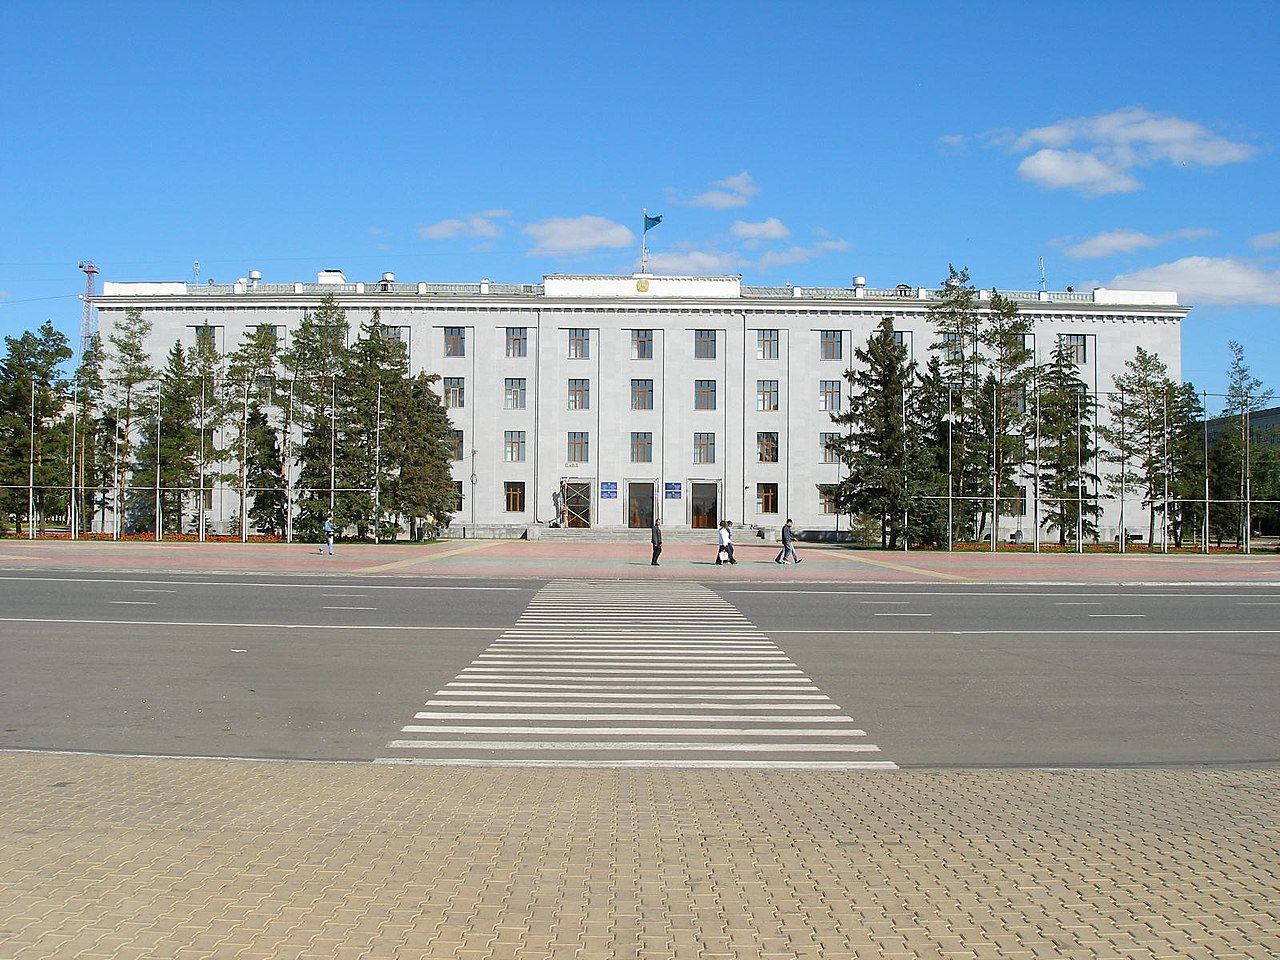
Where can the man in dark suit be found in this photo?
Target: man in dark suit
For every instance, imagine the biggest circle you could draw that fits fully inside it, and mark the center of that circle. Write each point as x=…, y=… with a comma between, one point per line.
x=655, y=537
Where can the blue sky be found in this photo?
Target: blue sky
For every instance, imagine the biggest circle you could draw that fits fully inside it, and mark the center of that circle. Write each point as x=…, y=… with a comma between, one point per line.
x=1128, y=144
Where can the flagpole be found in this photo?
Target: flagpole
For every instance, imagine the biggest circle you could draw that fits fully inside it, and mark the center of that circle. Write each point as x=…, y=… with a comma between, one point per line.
x=644, y=238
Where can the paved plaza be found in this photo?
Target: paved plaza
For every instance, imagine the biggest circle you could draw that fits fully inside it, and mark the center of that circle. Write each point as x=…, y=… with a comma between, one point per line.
x=112, y=857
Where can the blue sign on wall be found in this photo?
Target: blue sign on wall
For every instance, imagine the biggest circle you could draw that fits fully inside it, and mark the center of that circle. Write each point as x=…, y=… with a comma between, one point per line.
x=608, y=490
x=671, y=491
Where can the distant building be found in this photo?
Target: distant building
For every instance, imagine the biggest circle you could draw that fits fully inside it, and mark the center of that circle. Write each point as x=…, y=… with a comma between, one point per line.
x=602, y=400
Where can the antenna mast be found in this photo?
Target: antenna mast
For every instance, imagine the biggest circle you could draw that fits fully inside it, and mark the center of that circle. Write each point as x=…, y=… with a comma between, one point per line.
x=1043, y=283
x=88, y=320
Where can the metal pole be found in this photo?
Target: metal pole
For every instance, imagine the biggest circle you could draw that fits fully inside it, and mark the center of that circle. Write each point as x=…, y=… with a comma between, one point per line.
x=203, y=454
x=244, y=466
x=159, y=517
x=1164, y=531
x=333, y=428
x=377, y=468
x=995, y=466
x=1248, y=489
x=1124, y=470
x=118, y=477
x=1204, y=412
x=1036, y=481
x=31, y=468
x=73, y=504
x=285, y=469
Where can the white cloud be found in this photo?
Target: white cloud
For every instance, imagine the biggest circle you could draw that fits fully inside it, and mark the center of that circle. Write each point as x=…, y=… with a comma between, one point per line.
x=1073, y=170
x=1097, y=155
x=1126, y=241
x=782, y=258
x=577, y=235
x=1208, y=280
x=474, y=225
x=771, y=229
x=1266, y=241
x=695, y=263
x=734, y=191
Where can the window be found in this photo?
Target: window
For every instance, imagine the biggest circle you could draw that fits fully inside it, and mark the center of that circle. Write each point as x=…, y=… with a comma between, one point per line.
x=831, y=345
x=209, y=337
x=388, y=334
x=825, y=440
x=704, y=394
x=1078, y=344
x=455, y=341
x=579, y=446
x=513, y=446
x=274, y=335
x=704, y=448
x=952, y=352
x=514, y=493
x=704, y=344
x=517, y=341
x=767, y=447
x=766, y=344
x=513, y=393
x=459, y=443
x=641, y=394
x=1015, y=506
x=457, y=496
x=642, y=447
x=455, y=392
x=641, y=344
x=579, y=394
x=766, y=394
x=1016, y=399
x=579, y=344
x=829, y=395
x=827, y=500
x=900, y=337
x=766, y=498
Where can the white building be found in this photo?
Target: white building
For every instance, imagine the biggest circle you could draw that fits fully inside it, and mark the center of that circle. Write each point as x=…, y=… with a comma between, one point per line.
x=600, y=400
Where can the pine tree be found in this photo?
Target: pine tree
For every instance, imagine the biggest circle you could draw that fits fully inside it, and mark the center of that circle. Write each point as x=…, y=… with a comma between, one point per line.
x=1068, y=484
x=91, y=468
x=264, y=475
x=423, y=488
x=1245, y=395
x=209, y=394
x=250, y=382
x=131, y=384
x=169, y=449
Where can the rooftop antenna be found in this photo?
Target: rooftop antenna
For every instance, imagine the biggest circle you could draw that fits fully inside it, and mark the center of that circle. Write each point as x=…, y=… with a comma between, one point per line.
x=195, y=273
x=1043, y=283
x=88, y=324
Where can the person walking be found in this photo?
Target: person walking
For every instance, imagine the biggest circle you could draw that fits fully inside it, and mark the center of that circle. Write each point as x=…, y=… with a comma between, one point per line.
x=788, y=545
x=724, y=552
x=655, y=537
x=328, y=534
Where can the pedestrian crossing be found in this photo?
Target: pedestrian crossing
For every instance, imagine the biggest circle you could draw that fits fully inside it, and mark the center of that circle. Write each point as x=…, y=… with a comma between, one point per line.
x=634, y=674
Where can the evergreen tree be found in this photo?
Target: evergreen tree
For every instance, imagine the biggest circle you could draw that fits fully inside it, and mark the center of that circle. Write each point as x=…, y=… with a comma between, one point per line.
x=131, y=384
x=92, y=468
x=1002, y=402
x=263, y=475
x=209, y=395
x=1245, y=396
x=881, y=456
x=250, y=383
x=928, y=429
x=1187, y=463
x=168, y=453
x=313, y=362
x=1068, y=484
x=423, y=488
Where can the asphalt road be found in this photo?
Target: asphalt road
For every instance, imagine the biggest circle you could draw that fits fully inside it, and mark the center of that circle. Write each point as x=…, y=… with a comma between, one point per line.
x=944, y=676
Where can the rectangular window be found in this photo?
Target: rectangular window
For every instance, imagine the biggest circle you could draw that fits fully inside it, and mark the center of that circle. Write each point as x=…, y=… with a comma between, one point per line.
x=829, y=395
x=579, y=394
x=579, y=446
x=827, y=500
x=766, y=344
x=389, y=334
x=455, y=341
x=900, y=337
x=513, y=446
x=517, y=341
x=579, y=344
x=831, y=345
x=1078, y=344
x=274, y=334
x=952, y=351
x=457, y=496
x=455, y=392
x=704, y=448
x=641, y=344
x=513, y=393
x=704, y=344
x=767, y=395
x=825, y=440
x=704, y=394
x=1016, y=399
x=642, y=447
x=767, y=447
x=459, y=443
x=513, y=491
x=209, y=337
x=766, y=498
x=1015, y=506
x=641, y=394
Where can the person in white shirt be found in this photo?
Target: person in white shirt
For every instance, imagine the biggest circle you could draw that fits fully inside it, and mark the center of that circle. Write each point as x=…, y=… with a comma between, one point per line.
x=725, y=548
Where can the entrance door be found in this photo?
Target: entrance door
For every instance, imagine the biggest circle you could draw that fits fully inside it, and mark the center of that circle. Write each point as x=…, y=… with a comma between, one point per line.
x=577, y=504
x=704, y=506
x=640, y=504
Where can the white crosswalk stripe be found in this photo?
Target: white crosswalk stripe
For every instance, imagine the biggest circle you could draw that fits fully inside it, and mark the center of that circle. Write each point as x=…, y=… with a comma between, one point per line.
x=620, y=674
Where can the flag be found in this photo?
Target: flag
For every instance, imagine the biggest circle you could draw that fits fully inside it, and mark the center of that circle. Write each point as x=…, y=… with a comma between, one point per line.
x=651, y=222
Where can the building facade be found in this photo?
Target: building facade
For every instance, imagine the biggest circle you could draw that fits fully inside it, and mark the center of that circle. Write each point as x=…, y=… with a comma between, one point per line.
x=604, y=401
